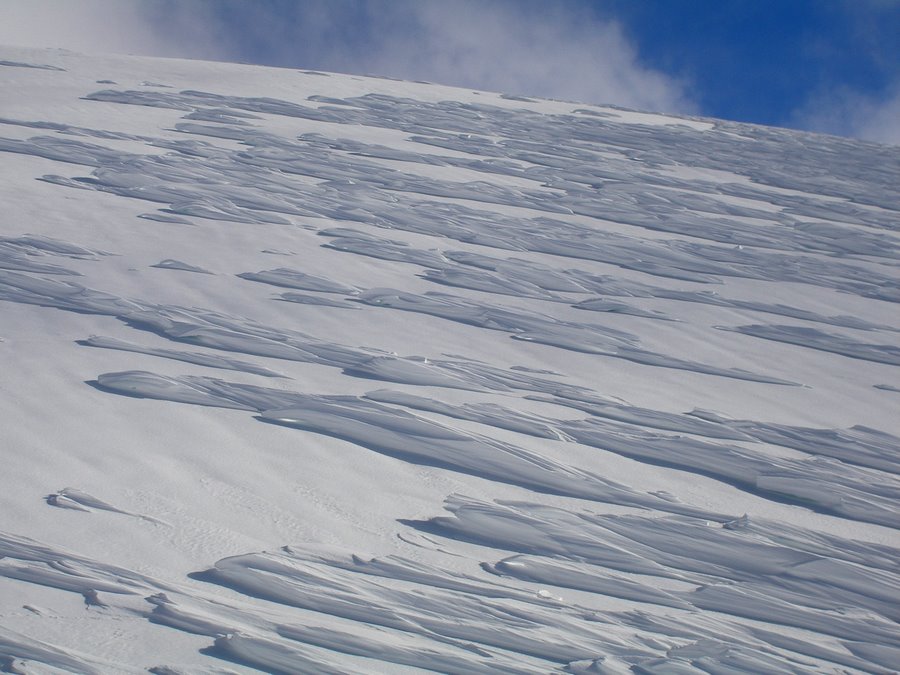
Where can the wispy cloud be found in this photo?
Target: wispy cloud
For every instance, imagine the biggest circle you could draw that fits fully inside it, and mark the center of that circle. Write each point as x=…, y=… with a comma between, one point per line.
x=532, y=47
x=86, y=26
x=866, y=105
x=847, y=112
x=557, y=50
x=881, y=121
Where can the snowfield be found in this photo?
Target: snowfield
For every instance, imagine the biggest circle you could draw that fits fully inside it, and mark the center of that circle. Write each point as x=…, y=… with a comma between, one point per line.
x=315, y=373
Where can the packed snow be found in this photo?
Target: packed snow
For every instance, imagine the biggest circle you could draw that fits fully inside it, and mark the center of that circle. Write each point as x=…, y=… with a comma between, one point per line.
x=618, y=391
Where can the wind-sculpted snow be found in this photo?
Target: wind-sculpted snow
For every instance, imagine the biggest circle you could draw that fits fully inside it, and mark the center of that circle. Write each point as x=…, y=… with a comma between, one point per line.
x=18, y=253
x=647, y=418
x=264, y=321
x=172, y=264
x=823, y=484
x=214, y=330
x=859, y=445
x=535, y=625
x=816, y=339
x=393, y=432
x=356, y=188
x=79, y=500
x=20, y=654
x=299, y=280
x=628, y=435
x=316, y=300
x=328, y=607
x=761, y=151
x=609, y=286
x=31, y=561
x=67, y=295
x=487, y=413
x=209, y=360
x=589, y=338
x=771, y=576
x=20, y=64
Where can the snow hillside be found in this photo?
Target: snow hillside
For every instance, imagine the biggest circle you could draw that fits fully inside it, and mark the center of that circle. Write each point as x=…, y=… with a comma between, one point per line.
x=314, y=373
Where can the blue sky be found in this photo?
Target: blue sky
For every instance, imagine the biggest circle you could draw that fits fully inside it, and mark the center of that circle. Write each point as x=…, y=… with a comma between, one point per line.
x=821, y=65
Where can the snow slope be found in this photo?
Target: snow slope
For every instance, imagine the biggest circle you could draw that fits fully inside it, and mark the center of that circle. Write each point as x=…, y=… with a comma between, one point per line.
x=318, y=373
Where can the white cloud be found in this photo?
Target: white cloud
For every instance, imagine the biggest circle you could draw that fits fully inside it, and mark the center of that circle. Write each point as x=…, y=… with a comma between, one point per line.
x=847, y=112
x=85, y=25
x=880, y=121
x=524, y=47
x=553, y=50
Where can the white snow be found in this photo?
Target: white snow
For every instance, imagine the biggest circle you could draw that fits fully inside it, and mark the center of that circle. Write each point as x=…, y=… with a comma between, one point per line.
x=618, y=392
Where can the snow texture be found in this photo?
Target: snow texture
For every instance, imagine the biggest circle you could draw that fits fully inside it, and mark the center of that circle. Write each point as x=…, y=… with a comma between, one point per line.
x=617, y=393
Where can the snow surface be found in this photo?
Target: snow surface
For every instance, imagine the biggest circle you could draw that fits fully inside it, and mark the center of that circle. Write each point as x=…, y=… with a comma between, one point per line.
x=311, y=373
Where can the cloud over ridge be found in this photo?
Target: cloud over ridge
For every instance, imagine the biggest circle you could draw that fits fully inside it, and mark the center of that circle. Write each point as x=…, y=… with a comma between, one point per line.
x=579, y=50
x=555, y=51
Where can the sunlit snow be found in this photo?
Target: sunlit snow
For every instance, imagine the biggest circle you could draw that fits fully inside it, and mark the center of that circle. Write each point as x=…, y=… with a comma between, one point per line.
x=310, y=373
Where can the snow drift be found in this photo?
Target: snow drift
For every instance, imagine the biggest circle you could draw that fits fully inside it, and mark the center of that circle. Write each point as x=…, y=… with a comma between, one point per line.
x=306, y=372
